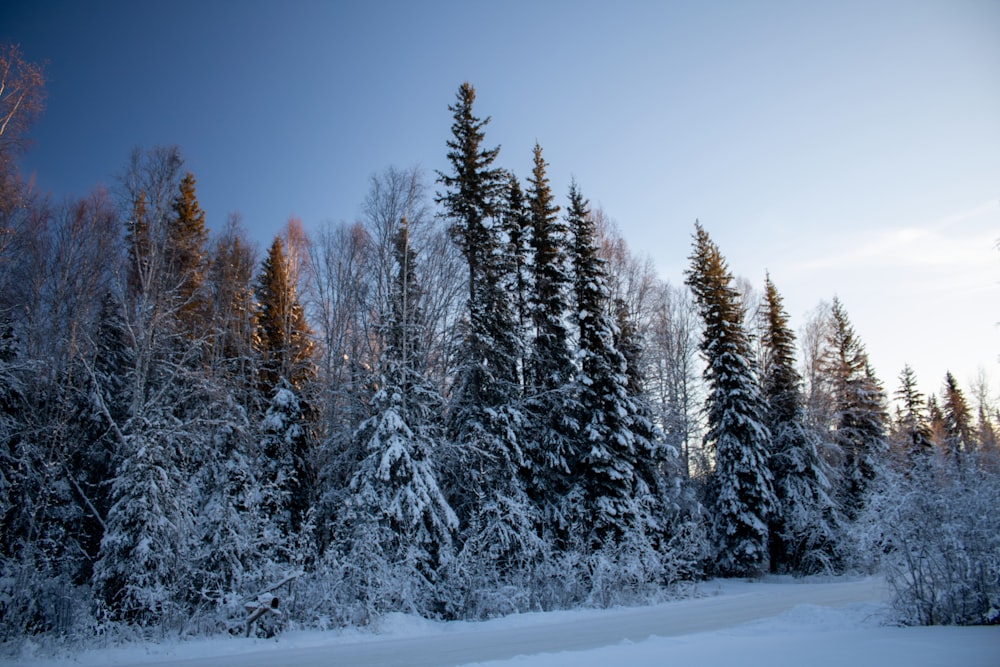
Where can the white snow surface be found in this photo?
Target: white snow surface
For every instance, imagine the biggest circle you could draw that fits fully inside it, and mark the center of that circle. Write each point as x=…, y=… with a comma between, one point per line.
x=774, y=622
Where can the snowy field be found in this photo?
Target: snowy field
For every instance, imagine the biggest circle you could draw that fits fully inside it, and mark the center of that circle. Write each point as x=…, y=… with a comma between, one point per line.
x=776, y=622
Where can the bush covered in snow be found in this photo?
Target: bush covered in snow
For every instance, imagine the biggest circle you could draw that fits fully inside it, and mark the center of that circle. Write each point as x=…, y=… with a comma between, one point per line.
x=937, y=528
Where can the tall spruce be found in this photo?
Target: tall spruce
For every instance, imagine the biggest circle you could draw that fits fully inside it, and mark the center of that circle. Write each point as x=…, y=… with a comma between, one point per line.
x=186, y=257
x=284, y=335
x=551, y=363
x=615, y=496
x=804, y=530
x=913, y=431
x=958, y=439
x=287, y=371
x=517, y=226
x=483, y=418
x=550, y=404
x=860, y=420
x=742, y=497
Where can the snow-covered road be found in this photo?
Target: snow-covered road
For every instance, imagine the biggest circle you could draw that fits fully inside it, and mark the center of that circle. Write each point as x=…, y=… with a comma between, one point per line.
x=722, y=605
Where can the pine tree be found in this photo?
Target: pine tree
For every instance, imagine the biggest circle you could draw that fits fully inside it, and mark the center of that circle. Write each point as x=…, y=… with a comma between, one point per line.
x=804, y=530
x=234, y=311
x=742, y=499
x=486, y=382
x=957, y=420
x=483, y=419
x=517, y=225
x=859, y=412
x=396, y=487
x=186, y=257
x=551, y=363
x=913, y=432
x=616, y=499
x=139, y=572
x=549, y=404
x=284, y=335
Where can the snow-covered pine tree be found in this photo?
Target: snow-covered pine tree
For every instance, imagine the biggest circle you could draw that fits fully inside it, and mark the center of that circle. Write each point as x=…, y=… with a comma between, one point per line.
x=550, y=405
x=483, y=418
x=398, y=509
x=233, y=312
x=958, y=439
x=517, y=226
x=284, y=336
x=804, y=532
x=859, y=414
x=912, y=432
x=284, y=469
x=742, y=498
x=617, y=500
x=139, y=573
x=186, y=259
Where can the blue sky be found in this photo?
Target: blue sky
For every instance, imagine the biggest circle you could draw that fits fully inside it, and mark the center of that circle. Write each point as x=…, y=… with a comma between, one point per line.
x=850, y=148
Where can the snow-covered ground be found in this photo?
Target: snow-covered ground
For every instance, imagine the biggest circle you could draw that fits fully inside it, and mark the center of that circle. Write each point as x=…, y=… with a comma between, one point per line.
x=775, y=622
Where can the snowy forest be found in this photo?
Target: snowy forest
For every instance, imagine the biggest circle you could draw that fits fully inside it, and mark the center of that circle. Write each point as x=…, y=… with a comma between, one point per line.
x=475, y=400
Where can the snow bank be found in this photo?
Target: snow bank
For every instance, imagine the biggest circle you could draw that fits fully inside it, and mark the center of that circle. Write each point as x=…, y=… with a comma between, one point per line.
x=776, y=622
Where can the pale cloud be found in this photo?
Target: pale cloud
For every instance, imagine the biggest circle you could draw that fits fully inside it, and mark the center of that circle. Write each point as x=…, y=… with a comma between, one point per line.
x=965, y=241
x=920, y=294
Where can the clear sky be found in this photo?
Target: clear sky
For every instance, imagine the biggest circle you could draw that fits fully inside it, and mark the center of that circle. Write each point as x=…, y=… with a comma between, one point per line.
x=850, y=148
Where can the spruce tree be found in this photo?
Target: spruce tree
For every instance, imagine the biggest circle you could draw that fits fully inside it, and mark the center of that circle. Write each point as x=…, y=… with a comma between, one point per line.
x=550, y=404
x=803, y=531
x=551, y=362
x=913, y=431
x=483, y=417
x=615, y=497
x=186, y=257
x=957, y=427
x=284, y=337
x=397, y=486
x=517, y=226
x=742, y=496
x=859, y=428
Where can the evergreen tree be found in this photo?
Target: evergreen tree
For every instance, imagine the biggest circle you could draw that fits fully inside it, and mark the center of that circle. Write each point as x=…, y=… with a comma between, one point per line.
x=551, y=364
x=286, y=374
x=186, y=257
x=396, y=487
x=234, y=312
x=742, y=497
x=550, y=404
x=285, y=466
x=935, y=419
x=957, y=426
x=284, y=335
x=482, y=418
x=139, y=574
x=913, y=432
x=803, y=531
x=517, y=225
x=616, y=499
x=859, y=412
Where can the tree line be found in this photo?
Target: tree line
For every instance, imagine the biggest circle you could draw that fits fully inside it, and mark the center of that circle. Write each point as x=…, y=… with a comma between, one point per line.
x=461, y=405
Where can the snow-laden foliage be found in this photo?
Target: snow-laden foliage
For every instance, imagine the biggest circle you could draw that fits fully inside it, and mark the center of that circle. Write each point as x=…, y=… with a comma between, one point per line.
x=937, y=529
x=464, y=436
x=805, y=529
x=741, y=495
